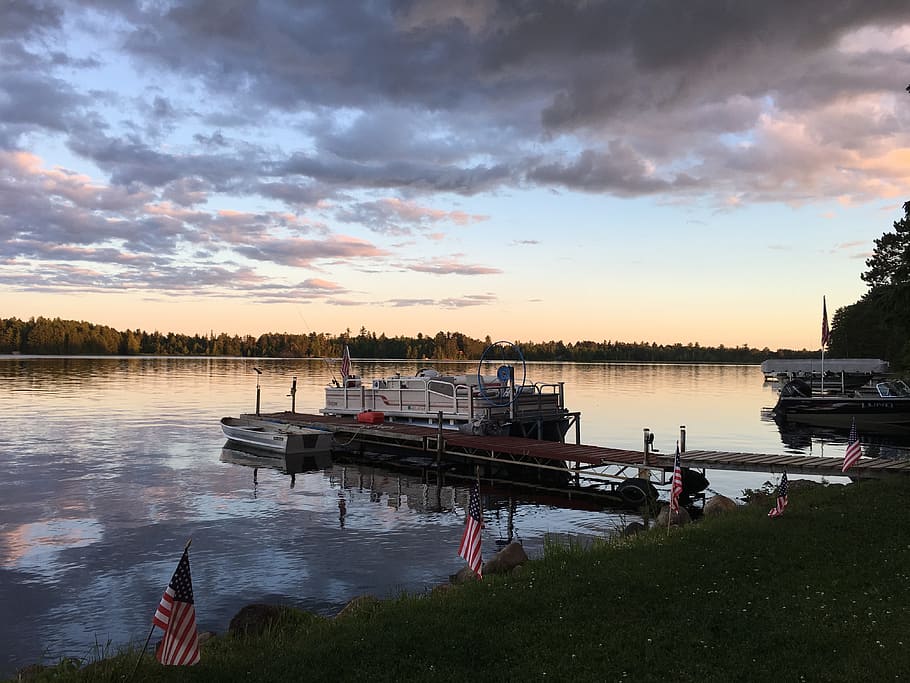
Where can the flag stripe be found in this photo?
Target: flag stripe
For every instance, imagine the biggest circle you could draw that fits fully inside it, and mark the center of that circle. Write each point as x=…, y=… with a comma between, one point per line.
x=176, y=616
x=677, y=486
x=854, y=448
x=826, y=332
x=345, y=363
x=163, y=613
x=783, y=490
x=469, y=548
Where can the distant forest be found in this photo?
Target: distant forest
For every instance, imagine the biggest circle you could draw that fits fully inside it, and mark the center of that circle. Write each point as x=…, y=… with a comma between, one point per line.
x=46, y=336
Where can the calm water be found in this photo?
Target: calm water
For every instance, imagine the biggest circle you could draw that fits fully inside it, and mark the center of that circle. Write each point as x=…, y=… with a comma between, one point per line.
x=108, y=466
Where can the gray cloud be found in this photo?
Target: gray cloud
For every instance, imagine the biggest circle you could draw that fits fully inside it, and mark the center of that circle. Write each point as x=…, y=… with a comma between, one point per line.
x=381, y=116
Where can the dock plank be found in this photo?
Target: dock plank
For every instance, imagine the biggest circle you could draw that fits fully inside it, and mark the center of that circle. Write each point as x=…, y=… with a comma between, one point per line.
x=548, y=453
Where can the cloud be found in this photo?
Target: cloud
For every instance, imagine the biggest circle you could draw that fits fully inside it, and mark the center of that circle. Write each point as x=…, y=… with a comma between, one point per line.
x=235, y=138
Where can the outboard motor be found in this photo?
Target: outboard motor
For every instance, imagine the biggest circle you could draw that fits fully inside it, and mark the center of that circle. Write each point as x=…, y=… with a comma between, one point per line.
x=796, y=388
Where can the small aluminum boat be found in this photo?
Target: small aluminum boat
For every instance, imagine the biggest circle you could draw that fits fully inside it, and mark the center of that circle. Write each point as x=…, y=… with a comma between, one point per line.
x=281, y=438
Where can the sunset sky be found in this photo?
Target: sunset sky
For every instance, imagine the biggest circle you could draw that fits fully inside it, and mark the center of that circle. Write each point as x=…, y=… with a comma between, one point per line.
x=646, y=170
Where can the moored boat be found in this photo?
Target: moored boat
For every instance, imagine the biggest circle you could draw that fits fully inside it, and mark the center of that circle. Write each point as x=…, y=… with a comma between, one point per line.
x=833, y=373
x=881, y=404
x=504, y=404
x=280, y=438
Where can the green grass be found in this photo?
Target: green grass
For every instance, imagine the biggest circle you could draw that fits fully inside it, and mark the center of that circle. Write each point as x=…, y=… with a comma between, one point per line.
x=820, y=594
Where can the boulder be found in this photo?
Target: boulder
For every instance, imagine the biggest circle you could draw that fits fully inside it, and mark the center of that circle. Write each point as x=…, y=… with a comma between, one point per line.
x=463, y=576
x=717, y=505
x=254, y=619
x=503, y=562
x=362, y=604
x=680, y=518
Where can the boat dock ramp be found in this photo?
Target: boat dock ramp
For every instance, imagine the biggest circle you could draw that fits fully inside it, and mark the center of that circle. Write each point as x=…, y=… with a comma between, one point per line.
x=581, y=460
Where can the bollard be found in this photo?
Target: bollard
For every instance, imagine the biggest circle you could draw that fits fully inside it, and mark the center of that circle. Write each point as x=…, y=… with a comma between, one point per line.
x=293, y=394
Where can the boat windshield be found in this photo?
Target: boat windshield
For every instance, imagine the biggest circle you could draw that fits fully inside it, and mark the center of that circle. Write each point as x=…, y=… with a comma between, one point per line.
x=894, y=389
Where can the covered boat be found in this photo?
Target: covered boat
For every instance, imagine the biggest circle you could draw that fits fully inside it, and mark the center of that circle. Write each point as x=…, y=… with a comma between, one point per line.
x=477, y=404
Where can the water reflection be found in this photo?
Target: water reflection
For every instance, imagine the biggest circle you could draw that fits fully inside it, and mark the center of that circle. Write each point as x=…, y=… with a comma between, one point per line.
x=108, y=466
x=887, y=441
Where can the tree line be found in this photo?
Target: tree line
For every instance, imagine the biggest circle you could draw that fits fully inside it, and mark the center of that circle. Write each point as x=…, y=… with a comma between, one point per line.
x=876, y=326
x=53, y=336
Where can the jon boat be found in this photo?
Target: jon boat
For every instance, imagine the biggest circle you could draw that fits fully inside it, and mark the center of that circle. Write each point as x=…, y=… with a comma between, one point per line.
x=475, y=404
x=885, y=403
x=280, y=438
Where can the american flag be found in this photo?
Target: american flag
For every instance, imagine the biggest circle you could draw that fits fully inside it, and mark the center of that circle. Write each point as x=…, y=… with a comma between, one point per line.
x=470, y=539
x=783, y=489
x=854, y=449
x=346, y=363
x=176, y=616
x=826, y=333
x=677, y=486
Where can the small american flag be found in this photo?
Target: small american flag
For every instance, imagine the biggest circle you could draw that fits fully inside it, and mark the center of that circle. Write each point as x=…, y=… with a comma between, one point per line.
x=176, y=616
x=345, y=363
x=677, y=486
x=470, y=539
x=783, y=490
x=854, y=449
x=826, y=333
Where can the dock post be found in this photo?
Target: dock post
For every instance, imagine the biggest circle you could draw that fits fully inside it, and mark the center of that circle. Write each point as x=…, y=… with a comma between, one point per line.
x=682, y=438
x=258, y=389
x=293, y=394
x=643, y=471
x=439, y=442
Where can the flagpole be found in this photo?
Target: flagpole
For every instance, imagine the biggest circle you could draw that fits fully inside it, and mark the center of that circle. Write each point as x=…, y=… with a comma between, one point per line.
x=151, y=631
x=825, y=333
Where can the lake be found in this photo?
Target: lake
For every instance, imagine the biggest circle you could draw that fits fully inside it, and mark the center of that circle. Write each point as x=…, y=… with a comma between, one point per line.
x=109, y=465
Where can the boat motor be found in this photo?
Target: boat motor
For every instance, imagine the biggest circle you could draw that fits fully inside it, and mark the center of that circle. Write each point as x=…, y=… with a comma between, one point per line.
x=798, y=388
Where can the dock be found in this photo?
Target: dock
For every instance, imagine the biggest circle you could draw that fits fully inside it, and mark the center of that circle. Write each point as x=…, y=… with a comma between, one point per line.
x=577, y=459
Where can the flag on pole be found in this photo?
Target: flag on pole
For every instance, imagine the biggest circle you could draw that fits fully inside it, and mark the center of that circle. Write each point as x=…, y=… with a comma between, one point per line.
x=676, y=487
x=826, y=333
x=854, y=449
x=783, y=490
x=470, y=539
x=345, y=363
x=176, y=616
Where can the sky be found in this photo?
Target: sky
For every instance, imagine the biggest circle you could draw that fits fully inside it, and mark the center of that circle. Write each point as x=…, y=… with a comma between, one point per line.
x=641, y=170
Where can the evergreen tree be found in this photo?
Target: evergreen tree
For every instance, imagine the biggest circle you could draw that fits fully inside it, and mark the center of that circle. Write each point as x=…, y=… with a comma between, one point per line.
x=890, y=261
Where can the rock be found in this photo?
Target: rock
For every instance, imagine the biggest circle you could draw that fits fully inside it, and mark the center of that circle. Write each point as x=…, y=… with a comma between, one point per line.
x=254, y=619
x=204, y=636
x=718, y=505
x=362, y=604
x=633, y=528
x=441, y=588
x=680, y=518
x=513, y=555
x=463, y=576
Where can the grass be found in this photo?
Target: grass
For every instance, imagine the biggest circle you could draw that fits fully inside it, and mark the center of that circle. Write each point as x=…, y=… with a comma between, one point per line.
x=820, y=594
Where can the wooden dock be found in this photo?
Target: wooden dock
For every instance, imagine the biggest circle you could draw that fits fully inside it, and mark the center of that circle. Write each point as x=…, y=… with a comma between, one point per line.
x=582, y=460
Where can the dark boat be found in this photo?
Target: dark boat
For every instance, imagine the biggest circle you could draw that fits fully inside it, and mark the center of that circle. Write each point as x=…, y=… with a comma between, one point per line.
x=881, y=405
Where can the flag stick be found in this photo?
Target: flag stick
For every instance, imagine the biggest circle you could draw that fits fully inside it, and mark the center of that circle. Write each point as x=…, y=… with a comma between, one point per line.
x=151, y=631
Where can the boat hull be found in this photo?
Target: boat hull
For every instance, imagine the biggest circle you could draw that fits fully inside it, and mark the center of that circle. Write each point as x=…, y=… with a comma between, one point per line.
x=275, y=437
x=825, y=411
